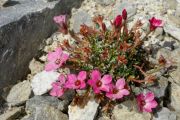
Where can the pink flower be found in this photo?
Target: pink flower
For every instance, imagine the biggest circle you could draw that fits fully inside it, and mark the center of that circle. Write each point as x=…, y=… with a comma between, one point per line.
x=62, y=22
x=154, y=23
x=56, y=59
x=60, y=19
x=146, y=102
x=117, y=91
x=58, y=89
x=76, y=82
x=124, y=14
x=100, y=84
x=118, y=21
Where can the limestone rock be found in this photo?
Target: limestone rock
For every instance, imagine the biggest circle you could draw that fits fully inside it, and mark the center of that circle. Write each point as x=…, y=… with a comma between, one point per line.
x=35, y=67
x=175, y=98
x=19, y=93
x=122, y=113
x=173, y=31
x=42, y=82
x=118, y=8
x=165, y=114
x=46, y=112
x=86, y=113
x=80, y=18
x=104, y=2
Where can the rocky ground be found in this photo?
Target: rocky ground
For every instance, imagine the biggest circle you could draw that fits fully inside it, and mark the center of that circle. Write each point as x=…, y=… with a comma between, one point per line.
x=29, y=99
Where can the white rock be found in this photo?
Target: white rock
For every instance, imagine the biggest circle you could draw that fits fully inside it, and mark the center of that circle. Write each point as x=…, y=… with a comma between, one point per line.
x=41, y=83
x=19, y=93
x=86, y=113
x=165, y=114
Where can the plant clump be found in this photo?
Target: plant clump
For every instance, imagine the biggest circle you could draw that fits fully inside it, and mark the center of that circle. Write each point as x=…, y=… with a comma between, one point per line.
x=107, y=62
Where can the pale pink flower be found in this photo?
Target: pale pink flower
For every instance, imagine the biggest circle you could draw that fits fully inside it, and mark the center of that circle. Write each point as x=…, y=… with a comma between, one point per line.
x=56, y=59
x=62, y=22
x=146, y=102
x=76, y=81
x=58, y=89
x=100, y=84
x=154, y=23
x=118, y=91
x=60, y=19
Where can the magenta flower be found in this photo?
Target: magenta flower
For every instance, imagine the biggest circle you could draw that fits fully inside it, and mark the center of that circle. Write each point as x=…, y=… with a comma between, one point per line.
x=58, y=90
x=76, y=82
x=118, y=21
x=60, y=19
x=118, y=91
x=146, y=102
x=154, y=23
x=100, y=84
x=124, y=14
x=56, y=59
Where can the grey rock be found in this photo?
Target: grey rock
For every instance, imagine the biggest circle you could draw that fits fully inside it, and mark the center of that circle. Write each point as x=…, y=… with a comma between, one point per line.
x=46, y=112
x=11, y=114
x=49, y=113
x=164, y=52
x=123, y=113
x=173, y=31
x=19, y=93
x=87, y=113
x=23, y=27
x=165, y=114
x=118, y=8
x=40, y=101
x=159, y=89
x=80, y=18
x=175, y=98
x=68, y=95
x=104, y=2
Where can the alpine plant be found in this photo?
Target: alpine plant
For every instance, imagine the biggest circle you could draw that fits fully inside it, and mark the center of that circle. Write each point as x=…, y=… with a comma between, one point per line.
x=106, y=63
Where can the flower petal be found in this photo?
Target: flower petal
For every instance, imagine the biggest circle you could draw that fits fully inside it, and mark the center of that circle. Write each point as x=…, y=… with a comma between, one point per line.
x=120, y=83
x=149, y=96
x=83, y=85
x=52, y=56
x=51, y=66
x=106, y=79
x=96, y=75
x=62, y=79
x=91, y=82
x=71, y=78
x=118, y=95
x=105, y=88
x=152, y=104
x=124, y=92
x=82, y=75
x=64, y=57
